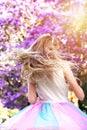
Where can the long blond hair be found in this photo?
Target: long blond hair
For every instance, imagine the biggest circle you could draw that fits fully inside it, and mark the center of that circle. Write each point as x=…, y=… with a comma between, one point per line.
x=41, y=59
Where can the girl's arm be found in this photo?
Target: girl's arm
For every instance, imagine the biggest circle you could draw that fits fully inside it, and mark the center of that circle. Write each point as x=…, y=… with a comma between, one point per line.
x=73, y=84
x=32, y=96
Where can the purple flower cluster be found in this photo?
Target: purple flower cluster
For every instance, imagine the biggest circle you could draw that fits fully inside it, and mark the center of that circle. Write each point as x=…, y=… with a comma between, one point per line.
x=13, y=91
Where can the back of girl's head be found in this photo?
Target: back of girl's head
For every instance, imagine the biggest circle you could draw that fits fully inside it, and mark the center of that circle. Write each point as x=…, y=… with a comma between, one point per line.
x=46, y=45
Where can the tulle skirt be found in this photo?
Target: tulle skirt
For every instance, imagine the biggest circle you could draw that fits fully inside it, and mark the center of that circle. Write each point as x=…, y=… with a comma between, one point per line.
x=47, y=116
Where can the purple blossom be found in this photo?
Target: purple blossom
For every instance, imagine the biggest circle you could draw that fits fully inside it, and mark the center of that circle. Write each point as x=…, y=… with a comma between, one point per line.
x=2, y=82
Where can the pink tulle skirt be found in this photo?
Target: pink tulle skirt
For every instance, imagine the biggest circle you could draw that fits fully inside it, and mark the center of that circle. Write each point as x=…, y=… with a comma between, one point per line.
x=47, y=116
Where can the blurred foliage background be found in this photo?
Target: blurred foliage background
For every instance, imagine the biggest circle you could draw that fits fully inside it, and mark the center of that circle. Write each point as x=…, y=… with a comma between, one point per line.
x=21, y=22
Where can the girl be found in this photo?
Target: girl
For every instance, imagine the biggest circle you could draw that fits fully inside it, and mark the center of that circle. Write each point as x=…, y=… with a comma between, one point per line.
x=47, y=75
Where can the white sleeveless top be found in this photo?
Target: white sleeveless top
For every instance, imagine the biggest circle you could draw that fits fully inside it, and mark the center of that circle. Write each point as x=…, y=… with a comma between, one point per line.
x=53, y=91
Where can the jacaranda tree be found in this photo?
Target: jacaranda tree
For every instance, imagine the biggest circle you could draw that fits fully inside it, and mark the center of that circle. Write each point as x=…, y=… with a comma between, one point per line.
x=22, y=21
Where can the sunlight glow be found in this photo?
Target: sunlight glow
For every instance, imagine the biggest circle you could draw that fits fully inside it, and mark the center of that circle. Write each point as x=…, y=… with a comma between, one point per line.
x=78, y=17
